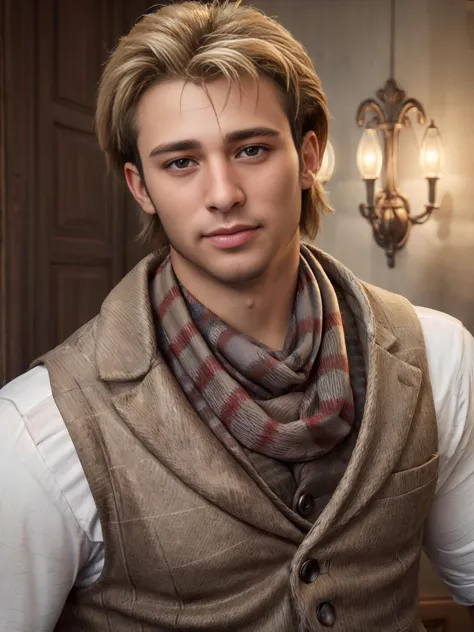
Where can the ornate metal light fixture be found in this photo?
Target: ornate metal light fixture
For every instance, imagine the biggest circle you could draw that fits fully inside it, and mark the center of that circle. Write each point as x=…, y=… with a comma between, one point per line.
x=388, y=210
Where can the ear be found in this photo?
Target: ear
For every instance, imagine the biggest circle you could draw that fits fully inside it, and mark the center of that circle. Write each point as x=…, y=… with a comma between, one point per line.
x=309, y=159
x=137, y=188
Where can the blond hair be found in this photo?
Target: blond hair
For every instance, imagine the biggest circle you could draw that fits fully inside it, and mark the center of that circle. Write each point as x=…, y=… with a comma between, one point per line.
x=200, y=42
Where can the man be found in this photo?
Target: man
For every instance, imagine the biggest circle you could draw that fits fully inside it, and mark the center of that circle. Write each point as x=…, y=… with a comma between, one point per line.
x=246, y=437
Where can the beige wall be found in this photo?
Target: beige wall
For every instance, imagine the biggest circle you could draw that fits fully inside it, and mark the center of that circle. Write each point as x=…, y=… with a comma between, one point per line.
x=348, y=41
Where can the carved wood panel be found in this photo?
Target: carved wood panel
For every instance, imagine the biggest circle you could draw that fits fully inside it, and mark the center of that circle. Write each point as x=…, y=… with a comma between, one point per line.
x=80, y=43
x=80, y=188
x=81, y=290
x=80, y=210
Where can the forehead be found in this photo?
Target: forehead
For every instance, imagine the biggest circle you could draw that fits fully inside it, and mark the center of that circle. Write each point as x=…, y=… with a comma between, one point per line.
x=174, y=109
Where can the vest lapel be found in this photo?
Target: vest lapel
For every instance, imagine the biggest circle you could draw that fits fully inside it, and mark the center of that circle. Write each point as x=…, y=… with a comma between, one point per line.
x=393, y=386
x=158, y=413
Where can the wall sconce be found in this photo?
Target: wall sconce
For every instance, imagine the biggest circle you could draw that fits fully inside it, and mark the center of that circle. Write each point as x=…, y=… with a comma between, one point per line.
x=388, y=210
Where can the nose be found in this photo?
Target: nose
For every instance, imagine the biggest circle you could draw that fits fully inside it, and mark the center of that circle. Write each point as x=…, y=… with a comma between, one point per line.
x=223, y=191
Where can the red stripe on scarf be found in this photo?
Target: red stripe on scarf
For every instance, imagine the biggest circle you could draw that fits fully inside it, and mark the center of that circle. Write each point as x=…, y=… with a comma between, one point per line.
x=183, y=339
x=264, y=367
x=232, y=405
x=332, y=320
x=268, y=433
x=333, y=363
x=207, y=371
x=309, y=325
x=166, y=303
x=327, y=408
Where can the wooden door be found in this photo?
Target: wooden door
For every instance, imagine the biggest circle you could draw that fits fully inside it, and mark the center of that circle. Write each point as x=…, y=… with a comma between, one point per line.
x=67, y=230
x=80, y=209
x=16, y=184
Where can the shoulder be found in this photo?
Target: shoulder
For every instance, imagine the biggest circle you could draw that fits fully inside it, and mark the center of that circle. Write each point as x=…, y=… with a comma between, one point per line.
x=449, y=350
x=33, y=430
x=28, y=391
x=445, y=336
x=394, y=313
x=28, y=406
x=450, y=355
x=28, y=410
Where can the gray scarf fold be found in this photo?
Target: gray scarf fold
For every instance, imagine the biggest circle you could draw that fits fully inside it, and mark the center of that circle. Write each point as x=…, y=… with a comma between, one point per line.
x=292, y=405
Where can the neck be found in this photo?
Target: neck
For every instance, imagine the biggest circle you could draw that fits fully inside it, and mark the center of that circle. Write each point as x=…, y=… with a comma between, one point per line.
x=261, y=309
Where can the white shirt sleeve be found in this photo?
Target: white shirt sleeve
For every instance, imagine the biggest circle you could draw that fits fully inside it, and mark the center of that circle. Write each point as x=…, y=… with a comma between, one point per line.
x=449, y=539
x=43, y=546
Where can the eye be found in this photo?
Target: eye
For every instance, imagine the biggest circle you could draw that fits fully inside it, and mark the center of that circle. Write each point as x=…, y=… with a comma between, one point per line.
x=252, y=151
x=179, y=164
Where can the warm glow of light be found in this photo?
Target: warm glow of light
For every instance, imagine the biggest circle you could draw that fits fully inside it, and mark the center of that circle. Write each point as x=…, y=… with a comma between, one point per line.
x=369, y=159
x=369, y=155
x=328, y=164
x=431, y=155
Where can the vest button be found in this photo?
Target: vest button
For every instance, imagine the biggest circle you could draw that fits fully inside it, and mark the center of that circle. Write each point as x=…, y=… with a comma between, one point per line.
x=305, y=505
x=326, y=614
x=309, y=571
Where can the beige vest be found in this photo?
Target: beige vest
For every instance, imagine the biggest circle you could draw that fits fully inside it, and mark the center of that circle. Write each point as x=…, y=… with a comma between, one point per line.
x=192, y=540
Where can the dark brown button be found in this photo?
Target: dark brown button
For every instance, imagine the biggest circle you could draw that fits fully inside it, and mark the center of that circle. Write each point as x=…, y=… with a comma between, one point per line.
x=326, y=614
x=305, y=505
x=309, y=571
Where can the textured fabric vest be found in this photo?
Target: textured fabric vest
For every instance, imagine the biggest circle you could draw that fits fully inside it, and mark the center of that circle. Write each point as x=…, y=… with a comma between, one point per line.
x=196, y=541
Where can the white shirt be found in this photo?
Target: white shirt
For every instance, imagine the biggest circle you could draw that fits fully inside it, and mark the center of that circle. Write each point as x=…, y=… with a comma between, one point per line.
x=50, y=534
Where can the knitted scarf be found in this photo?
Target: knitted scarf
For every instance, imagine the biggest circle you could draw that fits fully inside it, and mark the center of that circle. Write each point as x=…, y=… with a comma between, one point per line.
x=293, y=405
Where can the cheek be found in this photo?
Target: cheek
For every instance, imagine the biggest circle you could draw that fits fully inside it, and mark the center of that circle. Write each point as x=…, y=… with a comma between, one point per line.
x=165, y=192
x=175, y=202
x=282, y=186
x=288, y=172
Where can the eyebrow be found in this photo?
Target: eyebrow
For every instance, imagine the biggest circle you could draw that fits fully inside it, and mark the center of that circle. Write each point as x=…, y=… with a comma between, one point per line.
x=230, y=138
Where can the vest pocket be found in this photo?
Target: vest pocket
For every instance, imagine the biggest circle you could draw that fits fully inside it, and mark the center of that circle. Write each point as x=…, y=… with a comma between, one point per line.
x=405, y=481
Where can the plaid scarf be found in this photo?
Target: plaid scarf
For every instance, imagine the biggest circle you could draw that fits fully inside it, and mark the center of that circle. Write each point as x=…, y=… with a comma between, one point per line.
x=293, y=405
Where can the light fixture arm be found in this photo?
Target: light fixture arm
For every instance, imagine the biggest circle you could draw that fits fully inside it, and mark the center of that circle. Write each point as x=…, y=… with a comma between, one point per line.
x=366, y=106
x=406, y=107
x=424, y=216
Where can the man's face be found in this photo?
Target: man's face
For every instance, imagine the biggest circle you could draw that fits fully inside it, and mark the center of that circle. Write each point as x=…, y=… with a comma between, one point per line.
x=222, y=172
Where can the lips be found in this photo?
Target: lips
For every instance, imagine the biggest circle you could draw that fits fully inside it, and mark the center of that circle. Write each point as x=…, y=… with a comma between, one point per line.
x=232, y=236
x=230, y=230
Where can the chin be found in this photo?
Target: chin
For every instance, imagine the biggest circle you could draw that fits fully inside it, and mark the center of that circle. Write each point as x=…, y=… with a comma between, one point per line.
x=227, y=268
x=239, y=274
